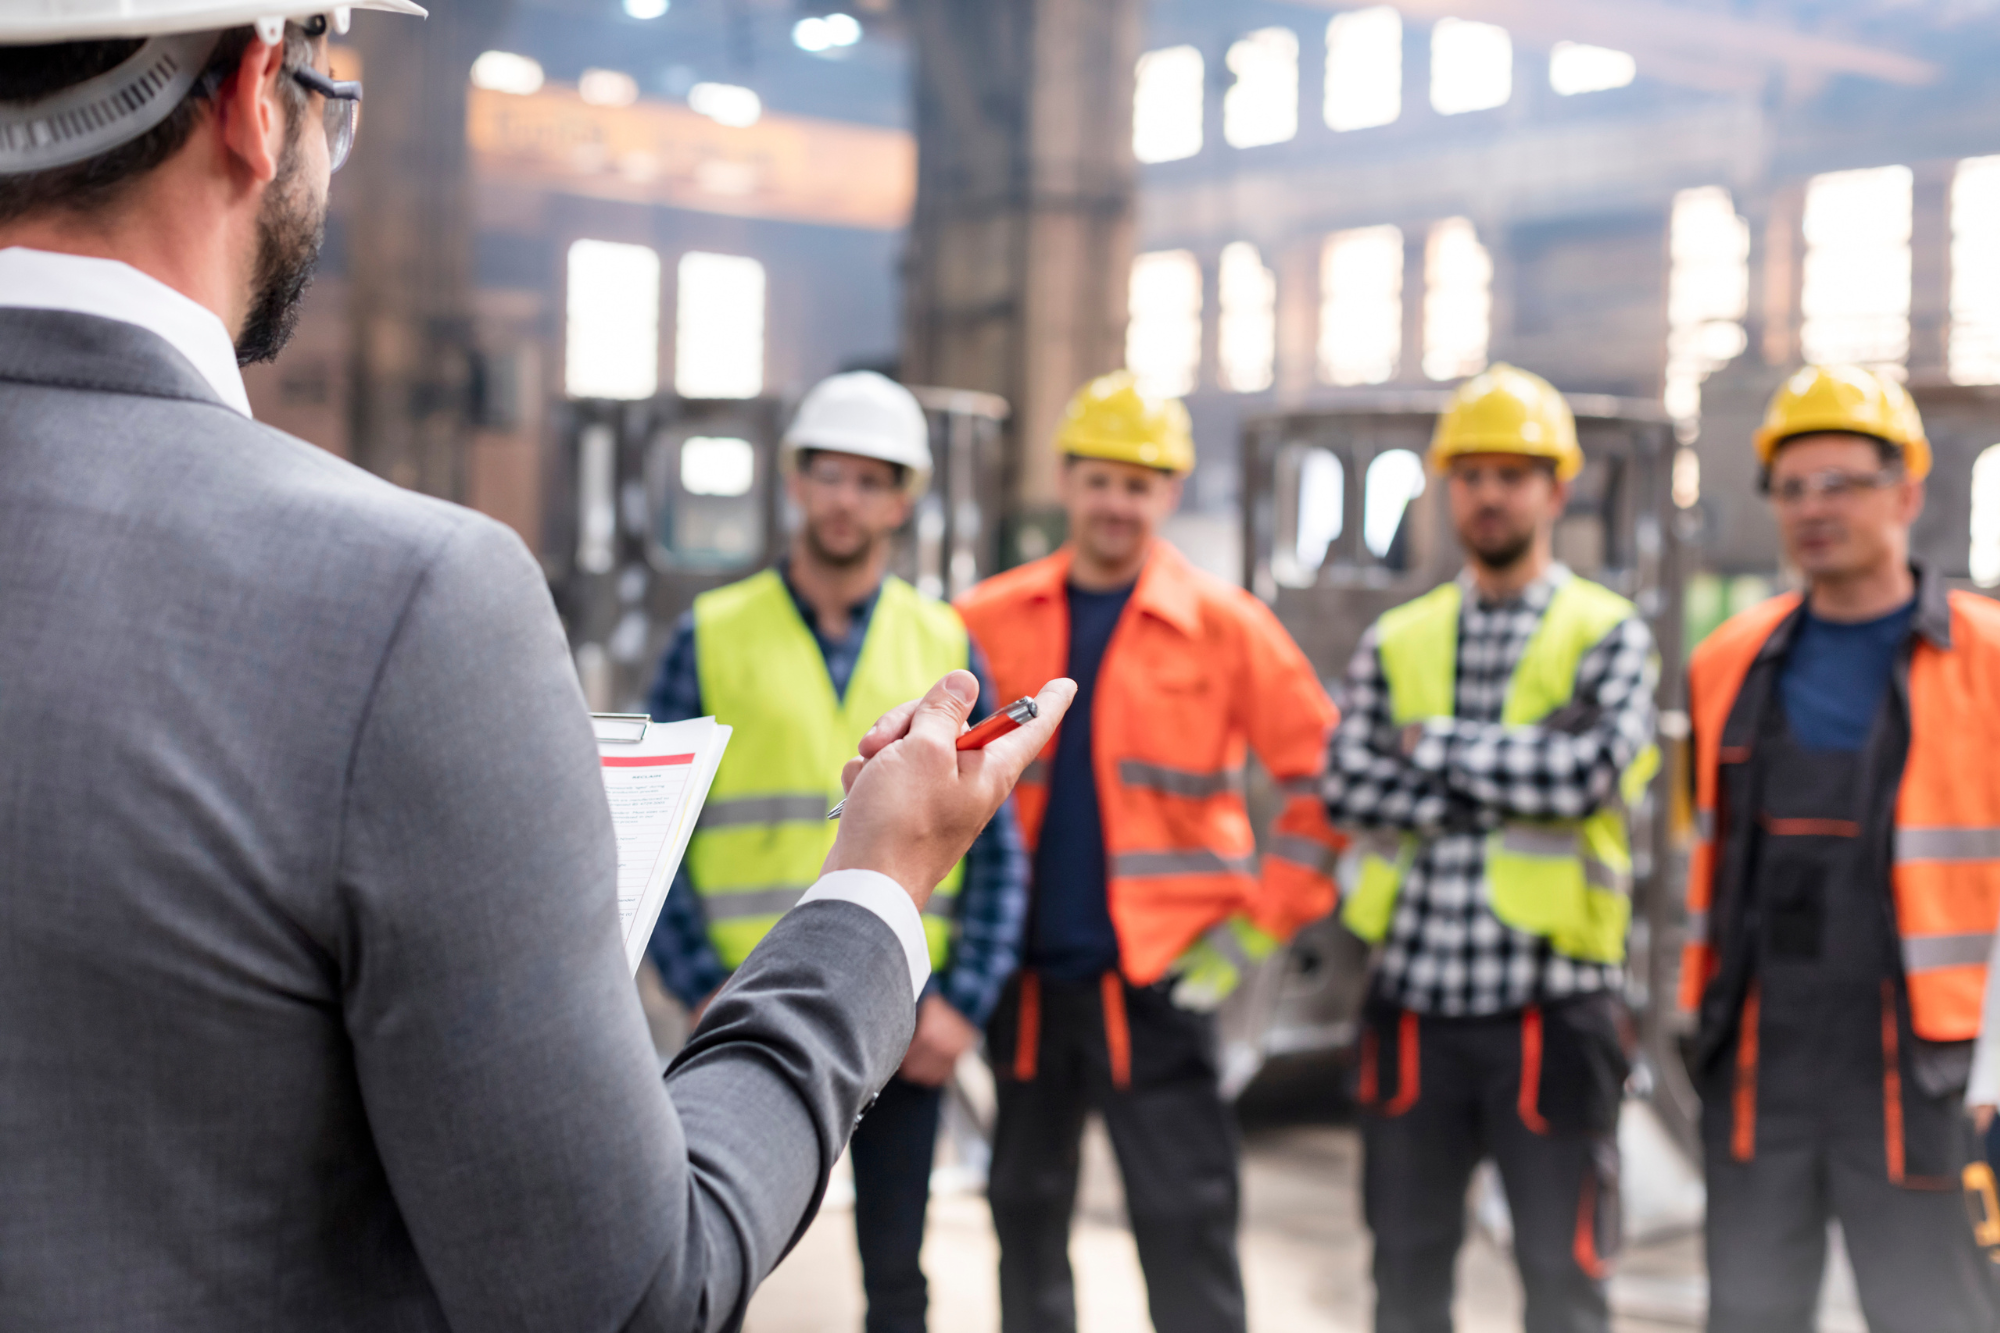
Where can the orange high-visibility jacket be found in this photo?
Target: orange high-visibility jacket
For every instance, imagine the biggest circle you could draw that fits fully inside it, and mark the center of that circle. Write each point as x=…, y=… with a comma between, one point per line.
x=1945, y=875
x=1196, y=670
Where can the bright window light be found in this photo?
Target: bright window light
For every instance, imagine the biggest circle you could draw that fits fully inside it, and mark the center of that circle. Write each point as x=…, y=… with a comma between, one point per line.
x=607, y=87
x=1361, y=305
x=1972, y=349
x=1166, y=105
x=1364, y=68
x=1163, y=336
x=1708, y=291
x=645, y=9
x=726, y=103
x=1394, y=479
x=1458, y=300
x=1472, y=66
x=505, y=72
x=1985, y=553
x=1262, y=106
x=1247, y=335
x=717, y=465
x=719, y=327
x=611, y=344
x=1575, y=68
x=829, y=32
x=1856, y=291
x=1322, y=507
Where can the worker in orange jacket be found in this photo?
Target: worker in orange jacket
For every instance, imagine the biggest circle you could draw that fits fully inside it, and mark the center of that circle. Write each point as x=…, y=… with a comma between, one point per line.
x=1845, y=887
x=1148, y=900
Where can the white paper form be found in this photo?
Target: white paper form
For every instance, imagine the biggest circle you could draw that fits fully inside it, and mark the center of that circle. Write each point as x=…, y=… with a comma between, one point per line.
x=656, y=777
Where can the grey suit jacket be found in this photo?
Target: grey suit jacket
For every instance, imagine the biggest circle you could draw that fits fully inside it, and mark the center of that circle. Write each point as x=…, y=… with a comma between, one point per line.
x=313, y=1012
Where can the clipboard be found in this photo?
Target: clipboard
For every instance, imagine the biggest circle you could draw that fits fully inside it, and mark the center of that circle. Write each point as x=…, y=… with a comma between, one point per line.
x=656, y=779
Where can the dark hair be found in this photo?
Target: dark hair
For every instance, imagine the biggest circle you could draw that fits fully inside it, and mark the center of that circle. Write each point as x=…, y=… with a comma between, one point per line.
x=30, y=73
x=1071, y=460
x=1887, y=452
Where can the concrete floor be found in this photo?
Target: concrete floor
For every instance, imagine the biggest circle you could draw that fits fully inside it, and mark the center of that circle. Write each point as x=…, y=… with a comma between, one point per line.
x=1305, y=1257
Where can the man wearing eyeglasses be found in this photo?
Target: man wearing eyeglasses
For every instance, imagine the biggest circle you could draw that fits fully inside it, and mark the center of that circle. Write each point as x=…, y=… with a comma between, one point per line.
x=314, y=1011
x=800, y=659
x=1845, y=886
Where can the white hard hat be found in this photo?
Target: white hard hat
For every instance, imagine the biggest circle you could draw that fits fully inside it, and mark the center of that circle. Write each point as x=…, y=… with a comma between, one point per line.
x=78, y=123
x=864, y=413
x=40, y=22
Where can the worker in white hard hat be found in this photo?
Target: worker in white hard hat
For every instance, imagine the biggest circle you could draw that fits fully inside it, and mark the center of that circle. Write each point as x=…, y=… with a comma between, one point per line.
x=315, y=1006
x=799, y=660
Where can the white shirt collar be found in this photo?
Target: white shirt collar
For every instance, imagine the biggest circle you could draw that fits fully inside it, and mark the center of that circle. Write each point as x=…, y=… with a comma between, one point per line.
x=44, y=280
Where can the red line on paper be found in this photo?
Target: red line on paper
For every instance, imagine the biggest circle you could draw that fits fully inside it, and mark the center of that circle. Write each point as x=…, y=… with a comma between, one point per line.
x=646, y=761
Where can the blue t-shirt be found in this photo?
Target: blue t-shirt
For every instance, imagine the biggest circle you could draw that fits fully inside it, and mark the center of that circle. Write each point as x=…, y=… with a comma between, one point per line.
x=1835, y=675
x=1072, y=938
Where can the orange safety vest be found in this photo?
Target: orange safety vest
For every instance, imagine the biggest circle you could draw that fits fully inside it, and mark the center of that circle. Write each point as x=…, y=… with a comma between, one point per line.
x=1945, y=876
x=1196, y=672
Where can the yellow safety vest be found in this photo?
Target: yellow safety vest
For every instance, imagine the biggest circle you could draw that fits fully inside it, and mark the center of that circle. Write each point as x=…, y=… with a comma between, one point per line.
x=764, y=833
x=1567, y=880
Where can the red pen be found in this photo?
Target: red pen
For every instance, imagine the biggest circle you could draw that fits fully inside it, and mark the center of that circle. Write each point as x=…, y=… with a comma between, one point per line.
x=993, y=728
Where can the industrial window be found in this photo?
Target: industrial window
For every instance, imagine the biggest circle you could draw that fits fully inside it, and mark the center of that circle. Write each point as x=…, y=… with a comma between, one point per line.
x=1458, y=300
x=1364, y=68
x=1972, y=353
x=1708, y=291
x=1163, y=336
x=611, y=335
x=1166, y=105
x=1856, y=294
x=1575, y=68
x=1317, y=519
x=1472, y=66
x=1985, y=552
x=1394, y=479
x=1262, y=106
x=1248, y=333
x=706, y=510
x=506, y=72
x=719, y=327
x=1361, y=305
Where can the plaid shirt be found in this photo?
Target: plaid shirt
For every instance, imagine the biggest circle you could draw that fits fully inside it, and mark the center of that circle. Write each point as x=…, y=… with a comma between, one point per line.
x=992, y=903
x=1446, y=952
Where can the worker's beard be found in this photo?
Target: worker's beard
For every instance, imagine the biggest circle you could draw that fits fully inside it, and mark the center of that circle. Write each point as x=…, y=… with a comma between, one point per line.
x=1504, y=551
x=835, y=557
x=290, y=230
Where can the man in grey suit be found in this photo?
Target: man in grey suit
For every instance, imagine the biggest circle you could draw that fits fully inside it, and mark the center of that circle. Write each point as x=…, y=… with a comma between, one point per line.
x=313, y=1009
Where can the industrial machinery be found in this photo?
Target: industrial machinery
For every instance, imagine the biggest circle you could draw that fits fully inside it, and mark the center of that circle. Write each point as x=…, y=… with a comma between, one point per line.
x=1339, y=525
x=656, y=502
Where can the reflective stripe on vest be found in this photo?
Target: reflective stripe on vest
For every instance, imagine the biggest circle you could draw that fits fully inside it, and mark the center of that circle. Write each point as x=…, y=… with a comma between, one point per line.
x=764, y=833
x=1945, y=876
x=1567, y=880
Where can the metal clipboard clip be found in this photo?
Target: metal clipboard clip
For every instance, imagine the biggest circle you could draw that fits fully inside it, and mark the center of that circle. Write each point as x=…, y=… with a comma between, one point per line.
x=620, y=728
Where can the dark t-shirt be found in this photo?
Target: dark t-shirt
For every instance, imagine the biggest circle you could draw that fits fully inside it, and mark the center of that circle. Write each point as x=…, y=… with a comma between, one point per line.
x=1835, y=675
x=1071, y=937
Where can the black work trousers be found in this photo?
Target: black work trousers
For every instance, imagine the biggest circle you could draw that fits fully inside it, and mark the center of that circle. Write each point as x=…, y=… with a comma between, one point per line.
x=891, y=1154
x=1797, y=1132
x=1062, y=1049
x=1536, y=1091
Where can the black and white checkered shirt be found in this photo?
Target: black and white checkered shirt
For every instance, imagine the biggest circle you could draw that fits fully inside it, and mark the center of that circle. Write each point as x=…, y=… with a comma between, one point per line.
x=1445, y=952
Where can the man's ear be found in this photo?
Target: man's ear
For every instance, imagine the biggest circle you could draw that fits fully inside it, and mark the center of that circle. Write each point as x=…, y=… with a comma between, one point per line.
x=251, y=113
x=1558, y=496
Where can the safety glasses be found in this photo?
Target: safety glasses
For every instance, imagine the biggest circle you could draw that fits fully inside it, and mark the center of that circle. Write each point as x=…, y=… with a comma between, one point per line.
x=342, y=111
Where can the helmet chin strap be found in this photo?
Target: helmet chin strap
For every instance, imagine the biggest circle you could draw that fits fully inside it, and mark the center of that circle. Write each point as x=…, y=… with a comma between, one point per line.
x=100, y=113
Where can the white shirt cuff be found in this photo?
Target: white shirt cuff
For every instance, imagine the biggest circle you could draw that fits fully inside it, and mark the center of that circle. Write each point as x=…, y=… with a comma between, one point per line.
x=887, y=899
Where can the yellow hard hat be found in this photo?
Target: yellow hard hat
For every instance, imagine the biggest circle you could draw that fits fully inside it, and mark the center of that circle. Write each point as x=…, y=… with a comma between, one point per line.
x=1109, y=418
x=1849, y=399
x=1502, y=410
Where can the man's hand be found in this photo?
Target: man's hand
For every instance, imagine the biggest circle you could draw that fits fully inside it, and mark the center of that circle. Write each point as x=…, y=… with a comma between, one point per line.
x=943, y=1034
x=1982, y=1118
x=914, y=801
